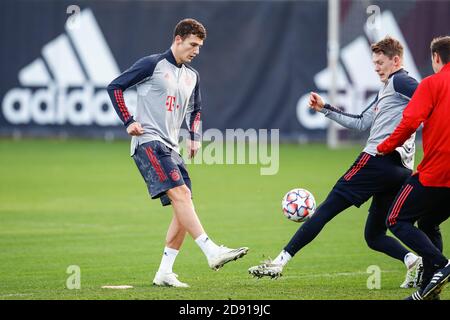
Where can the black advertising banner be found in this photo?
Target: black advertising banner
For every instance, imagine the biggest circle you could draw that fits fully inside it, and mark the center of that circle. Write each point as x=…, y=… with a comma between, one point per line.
x=258, y=64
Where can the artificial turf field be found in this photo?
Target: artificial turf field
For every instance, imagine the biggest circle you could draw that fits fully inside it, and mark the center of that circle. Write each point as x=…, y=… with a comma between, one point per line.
x=84, y=203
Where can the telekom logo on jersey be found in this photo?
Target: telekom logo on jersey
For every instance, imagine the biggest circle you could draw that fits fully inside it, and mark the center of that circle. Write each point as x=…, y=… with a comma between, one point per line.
x=170, y=103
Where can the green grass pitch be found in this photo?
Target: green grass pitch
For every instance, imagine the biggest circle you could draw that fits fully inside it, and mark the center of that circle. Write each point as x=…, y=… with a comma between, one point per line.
x=84, y=203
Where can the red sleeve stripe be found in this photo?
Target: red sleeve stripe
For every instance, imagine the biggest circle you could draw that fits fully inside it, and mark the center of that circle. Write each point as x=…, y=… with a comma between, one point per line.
x=398, y=204
x=362, y=162
x=118, y=94
x=196, y=123
x=155, y=164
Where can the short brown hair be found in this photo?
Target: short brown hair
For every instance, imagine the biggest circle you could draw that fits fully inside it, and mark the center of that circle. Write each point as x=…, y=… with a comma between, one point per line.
x=441, y=45
x=186, y=27
x=389, y=46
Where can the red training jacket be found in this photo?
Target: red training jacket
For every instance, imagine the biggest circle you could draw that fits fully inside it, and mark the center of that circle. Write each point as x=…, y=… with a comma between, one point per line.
x=430, y=104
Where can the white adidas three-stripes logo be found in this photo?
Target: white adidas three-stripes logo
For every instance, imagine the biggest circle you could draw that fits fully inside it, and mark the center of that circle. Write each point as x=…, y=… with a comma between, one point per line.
x=436, y=277
x=416, y=296
x=67, y=85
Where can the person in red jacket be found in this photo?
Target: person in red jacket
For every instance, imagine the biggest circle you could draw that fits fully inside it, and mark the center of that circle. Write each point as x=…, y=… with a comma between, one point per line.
x=423, y=194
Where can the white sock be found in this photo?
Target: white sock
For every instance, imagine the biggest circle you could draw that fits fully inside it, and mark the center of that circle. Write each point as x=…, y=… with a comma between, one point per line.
x=282, y=258
x=208, y=246
x=167, y=261
x=409, y=259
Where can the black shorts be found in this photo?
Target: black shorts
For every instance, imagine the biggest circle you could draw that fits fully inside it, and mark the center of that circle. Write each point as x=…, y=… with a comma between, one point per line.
x=162, y=169
x=415, y=201
x=371, y=175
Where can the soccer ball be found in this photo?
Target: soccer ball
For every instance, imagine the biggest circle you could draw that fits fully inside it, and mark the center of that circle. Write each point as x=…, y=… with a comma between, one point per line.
x=298, y=205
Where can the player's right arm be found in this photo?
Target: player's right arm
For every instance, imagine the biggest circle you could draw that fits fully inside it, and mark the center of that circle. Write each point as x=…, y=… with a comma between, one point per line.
x=359, y=122
x=139, y=71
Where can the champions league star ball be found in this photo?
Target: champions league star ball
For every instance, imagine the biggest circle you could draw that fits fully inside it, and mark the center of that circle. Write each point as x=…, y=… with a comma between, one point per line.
x=298, y=205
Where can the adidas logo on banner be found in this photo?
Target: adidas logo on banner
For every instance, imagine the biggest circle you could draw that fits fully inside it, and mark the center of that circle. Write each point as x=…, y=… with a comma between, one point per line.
x=68, y=84
x=356, y=93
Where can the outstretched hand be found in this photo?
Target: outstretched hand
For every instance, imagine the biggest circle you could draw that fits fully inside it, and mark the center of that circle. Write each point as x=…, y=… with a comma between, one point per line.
x=316, y=102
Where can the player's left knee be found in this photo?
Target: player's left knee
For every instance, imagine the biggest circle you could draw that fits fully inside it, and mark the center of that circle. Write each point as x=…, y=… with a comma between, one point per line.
x=179, y=194
x=372, y=240
x=371, y=243
x=394, y=226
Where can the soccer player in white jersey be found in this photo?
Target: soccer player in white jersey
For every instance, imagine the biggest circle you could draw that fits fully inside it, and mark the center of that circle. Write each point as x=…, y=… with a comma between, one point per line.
x=169, y=92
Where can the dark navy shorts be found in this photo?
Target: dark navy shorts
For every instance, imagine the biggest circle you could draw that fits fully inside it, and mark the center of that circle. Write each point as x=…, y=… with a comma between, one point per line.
x=162, y=169
x=415, y=202
x=380, y=177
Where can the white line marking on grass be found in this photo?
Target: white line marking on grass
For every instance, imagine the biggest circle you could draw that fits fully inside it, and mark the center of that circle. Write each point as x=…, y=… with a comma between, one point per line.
x=16, y=295
x=118, y=287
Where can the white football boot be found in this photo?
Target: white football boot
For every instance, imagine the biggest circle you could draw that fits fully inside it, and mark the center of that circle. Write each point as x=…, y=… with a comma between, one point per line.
x=168, y=280
x=225, y=255
x=414, y=274
x=266, y=269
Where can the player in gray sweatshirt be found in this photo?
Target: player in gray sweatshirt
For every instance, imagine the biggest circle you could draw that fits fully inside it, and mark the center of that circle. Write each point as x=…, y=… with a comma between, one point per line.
x=168, y=92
